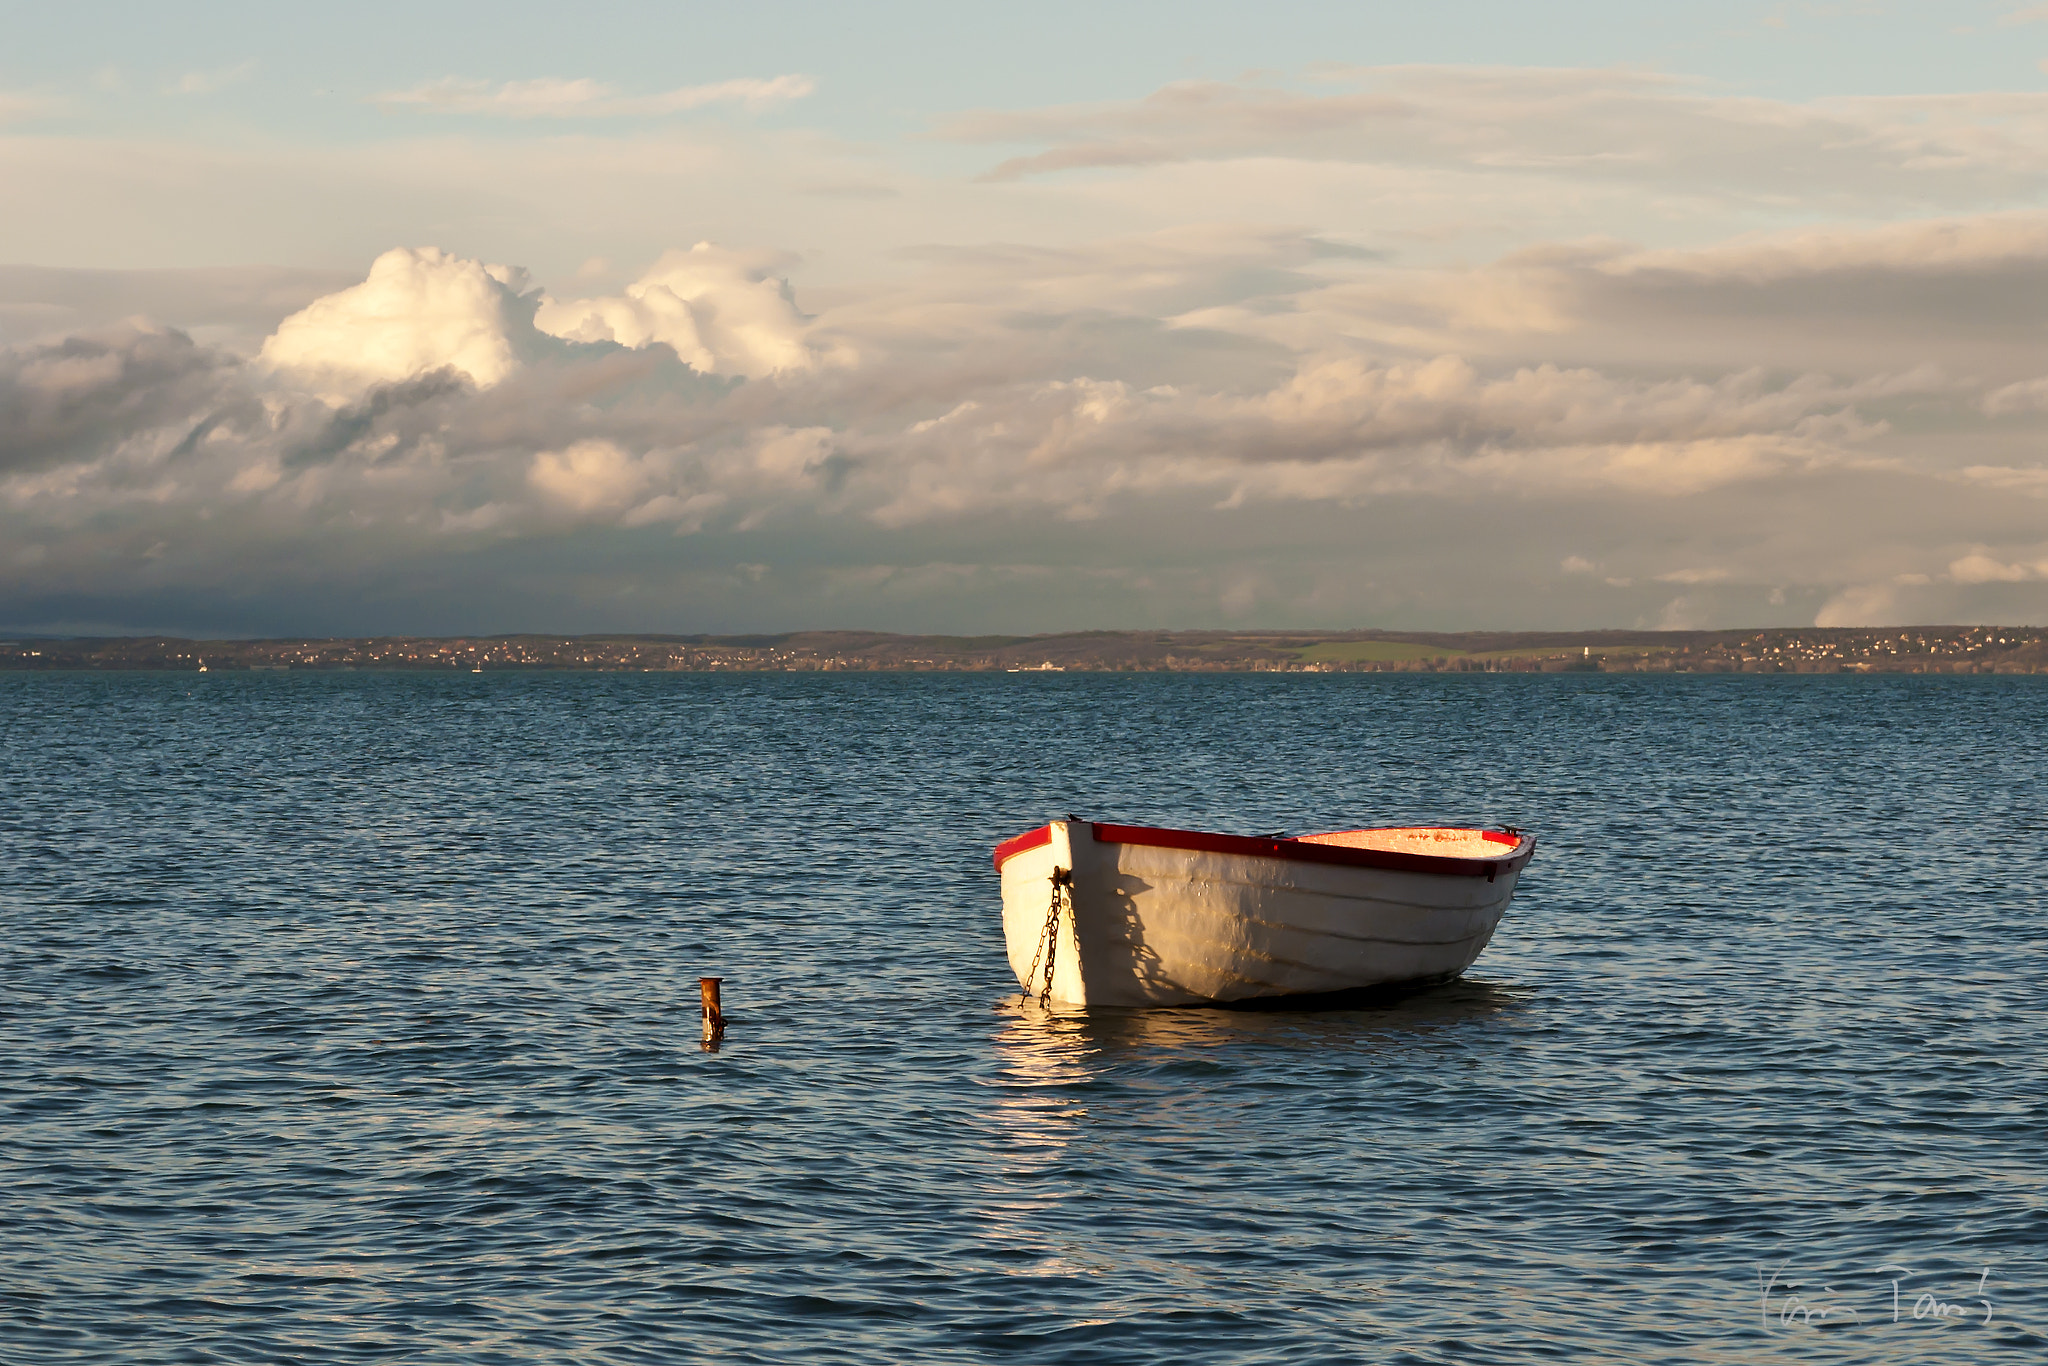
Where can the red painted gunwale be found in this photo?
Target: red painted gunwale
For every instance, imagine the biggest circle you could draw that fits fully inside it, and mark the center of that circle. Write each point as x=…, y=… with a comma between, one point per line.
x=1030, y=839
x=1297, y=851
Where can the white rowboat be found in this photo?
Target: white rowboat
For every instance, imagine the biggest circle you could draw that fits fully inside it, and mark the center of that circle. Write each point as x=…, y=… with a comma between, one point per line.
x=1096, y=914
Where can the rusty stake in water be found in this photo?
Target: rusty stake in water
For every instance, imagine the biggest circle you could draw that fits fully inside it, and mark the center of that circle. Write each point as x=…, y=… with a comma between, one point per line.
x=714, y=1018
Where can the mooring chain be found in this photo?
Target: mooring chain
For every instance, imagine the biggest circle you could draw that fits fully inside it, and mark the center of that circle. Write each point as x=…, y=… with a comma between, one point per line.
x=1049, y=938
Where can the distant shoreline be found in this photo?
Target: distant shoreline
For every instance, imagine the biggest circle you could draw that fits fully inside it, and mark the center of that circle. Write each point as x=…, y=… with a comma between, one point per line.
x=1911, y=649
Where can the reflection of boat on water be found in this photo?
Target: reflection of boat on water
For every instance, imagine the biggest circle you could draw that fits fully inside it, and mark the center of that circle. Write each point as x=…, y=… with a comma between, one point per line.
x=1125, y=915
x=1055, y=1047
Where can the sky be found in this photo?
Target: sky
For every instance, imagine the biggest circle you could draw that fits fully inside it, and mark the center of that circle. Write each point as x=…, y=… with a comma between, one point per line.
x=974, y=318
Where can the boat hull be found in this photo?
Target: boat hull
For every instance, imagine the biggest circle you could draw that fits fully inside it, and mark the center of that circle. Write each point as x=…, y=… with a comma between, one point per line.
x=1155, y=918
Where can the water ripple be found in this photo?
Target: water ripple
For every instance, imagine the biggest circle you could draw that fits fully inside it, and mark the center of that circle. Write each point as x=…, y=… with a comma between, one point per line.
x=351, y=1018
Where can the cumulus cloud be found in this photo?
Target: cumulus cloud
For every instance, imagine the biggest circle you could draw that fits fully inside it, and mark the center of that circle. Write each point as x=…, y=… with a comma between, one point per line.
x=1345, y=427
x=420, y=309
x=1130, y=406
x=590, y=476
x=1871, y=604
x=1981, y=568
x=552, y=97
x=1144, y=378
x=424, y=309
x=720, y=310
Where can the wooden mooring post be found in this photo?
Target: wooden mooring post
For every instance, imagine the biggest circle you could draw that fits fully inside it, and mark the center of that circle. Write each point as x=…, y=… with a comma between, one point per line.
x=714, y=1017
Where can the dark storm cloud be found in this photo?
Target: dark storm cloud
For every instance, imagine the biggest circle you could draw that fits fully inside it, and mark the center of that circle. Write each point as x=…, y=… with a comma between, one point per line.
x=352, y=422
x=74, y=399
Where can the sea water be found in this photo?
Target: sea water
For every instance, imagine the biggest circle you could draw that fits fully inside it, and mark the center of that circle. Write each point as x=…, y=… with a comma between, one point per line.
x=354, y=1018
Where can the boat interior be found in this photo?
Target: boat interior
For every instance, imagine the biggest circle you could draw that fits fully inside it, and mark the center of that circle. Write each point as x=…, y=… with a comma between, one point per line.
x=1424, y=839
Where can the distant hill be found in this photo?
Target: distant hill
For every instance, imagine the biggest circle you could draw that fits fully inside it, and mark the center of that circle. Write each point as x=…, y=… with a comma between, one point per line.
x=1915, y=649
